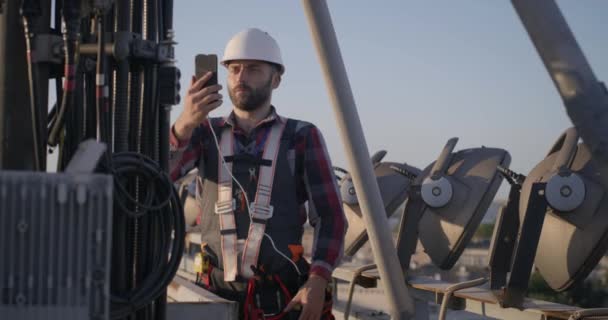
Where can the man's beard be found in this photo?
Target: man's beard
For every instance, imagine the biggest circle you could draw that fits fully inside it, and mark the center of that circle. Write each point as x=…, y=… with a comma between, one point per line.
x=253, y=98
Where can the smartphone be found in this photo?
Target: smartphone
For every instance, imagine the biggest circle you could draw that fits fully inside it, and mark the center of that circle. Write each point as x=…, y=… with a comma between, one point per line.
x=205, y=63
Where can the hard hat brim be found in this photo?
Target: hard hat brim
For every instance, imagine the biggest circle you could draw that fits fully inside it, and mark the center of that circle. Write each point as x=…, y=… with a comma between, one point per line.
x=279, y=66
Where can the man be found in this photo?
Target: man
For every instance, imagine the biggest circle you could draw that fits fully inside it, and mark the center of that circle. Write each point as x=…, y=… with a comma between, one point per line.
x=252, y=230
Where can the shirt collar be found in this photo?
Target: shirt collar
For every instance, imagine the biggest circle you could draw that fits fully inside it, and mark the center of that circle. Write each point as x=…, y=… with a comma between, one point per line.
x=230, y=119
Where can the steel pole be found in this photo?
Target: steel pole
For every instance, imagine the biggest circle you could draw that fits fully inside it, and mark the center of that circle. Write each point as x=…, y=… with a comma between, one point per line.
x=385, y=254
x=585, y=98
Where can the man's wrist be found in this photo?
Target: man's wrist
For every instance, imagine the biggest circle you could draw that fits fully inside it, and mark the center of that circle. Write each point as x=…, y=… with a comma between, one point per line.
x=182, y=132
x=176, y=142
x=318, y=278
x=321, y=272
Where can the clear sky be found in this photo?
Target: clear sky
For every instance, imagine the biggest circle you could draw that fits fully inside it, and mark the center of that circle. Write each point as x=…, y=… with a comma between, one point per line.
x=421, y=71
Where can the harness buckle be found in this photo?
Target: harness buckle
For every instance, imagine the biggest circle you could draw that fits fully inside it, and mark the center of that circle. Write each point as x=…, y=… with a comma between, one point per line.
x=261, y=212
x=225, y=207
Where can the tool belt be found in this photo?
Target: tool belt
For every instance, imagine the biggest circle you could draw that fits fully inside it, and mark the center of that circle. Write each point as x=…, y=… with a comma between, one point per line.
x=263, y=296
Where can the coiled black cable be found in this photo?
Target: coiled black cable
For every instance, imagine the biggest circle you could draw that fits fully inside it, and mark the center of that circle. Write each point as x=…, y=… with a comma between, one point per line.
x=163, y=208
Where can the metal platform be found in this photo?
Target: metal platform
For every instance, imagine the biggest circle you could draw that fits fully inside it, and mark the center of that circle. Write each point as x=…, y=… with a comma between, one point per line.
x=188, y=301
x=477, y=300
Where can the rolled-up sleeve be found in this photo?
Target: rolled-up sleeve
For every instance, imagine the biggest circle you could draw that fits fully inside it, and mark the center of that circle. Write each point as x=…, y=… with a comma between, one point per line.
x=324, y=199
x=184, y=155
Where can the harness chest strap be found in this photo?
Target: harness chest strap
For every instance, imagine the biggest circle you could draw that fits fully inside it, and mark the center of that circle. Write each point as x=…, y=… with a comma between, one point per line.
x=261, y=210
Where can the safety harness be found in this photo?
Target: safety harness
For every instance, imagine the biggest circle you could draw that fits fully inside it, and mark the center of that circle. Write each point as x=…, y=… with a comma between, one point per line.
x=260, y=208
x=264, y=290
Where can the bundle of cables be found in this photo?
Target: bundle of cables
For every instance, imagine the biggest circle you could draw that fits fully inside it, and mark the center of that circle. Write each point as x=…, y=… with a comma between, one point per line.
x=164, y=210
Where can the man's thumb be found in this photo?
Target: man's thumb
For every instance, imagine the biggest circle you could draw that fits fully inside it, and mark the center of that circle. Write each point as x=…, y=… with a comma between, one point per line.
x=291, y=304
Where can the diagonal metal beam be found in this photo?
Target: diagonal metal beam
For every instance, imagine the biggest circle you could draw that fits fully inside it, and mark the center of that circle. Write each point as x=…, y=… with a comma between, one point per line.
x=324, y=37
x=585, y=98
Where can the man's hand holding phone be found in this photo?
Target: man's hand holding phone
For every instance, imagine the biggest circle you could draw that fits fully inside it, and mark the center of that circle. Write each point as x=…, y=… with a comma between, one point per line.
x=200, y=100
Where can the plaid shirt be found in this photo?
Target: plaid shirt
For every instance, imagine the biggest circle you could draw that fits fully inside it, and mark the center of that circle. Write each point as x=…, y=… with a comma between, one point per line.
x=315, y=183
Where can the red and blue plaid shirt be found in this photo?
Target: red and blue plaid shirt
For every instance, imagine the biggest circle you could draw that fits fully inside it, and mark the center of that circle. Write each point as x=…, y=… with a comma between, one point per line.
x=315, y=183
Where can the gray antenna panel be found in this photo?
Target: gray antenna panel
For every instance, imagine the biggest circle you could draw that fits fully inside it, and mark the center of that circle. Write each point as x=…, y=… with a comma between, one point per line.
x=55, y=237
x=394, y=180
x=474, y=180
x=574, y=236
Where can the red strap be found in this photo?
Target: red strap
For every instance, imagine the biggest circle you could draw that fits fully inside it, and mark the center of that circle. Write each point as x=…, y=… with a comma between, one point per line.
x=283, y=287
x=249, y=300
x=207, y=278
x=287, y=295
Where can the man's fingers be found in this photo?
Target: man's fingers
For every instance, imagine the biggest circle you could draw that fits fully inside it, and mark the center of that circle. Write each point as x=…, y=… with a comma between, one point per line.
x=289, y=307
x=305, y=314
x=316, y=315
x=309, y=316
x=292, y=304
x=200, y=114
x=205, y=104
x=206, y=99
x=210, y=107
x=200, y=83
x=214, y=105
x=205, y=91
x=203, y=80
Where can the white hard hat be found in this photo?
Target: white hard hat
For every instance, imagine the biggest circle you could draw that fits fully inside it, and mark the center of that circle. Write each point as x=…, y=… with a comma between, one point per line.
x=253, y=44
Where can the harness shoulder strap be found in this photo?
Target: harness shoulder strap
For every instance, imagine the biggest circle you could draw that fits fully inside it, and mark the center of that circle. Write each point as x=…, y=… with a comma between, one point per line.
x=261, y=210
x=224, y=207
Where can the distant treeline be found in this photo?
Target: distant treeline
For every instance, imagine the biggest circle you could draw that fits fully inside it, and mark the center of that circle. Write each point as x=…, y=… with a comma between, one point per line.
x=587, y=294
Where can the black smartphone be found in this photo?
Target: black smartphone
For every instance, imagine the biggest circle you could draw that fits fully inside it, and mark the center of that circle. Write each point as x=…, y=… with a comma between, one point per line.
x=205, y=63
